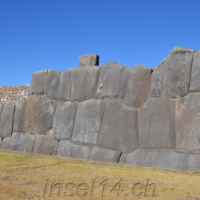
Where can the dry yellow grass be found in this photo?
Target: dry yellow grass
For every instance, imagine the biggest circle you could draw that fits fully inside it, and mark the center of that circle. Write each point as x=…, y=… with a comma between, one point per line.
x=26, y=178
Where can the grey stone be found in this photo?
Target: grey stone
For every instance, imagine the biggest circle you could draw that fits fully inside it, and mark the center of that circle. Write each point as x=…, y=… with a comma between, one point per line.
x=119, y=129
x=83, y=81
x=69, y=150
x=16, y=142
x=156, y=121
x=7, y=116
x=172, y=76
x=0, y=141
x=88, y=121
x=37, y=82
x=60, y=86
x=164, y=159
x=139, y=86
x=112, y=81
x=1, y=109
x=39, y=114
x=45, y=145
x=187, y=124
x=104, y=155
x=89, y=60
x=195, y=74
x=48, y=80
x=64, y=118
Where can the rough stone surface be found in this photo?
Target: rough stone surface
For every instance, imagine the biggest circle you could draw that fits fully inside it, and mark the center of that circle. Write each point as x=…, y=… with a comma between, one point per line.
x=119, y=130
x=1, y=109
x=64, y=118
x=88, y=121
x=67, y=149
x=7, y=116
x=45, y=145
x=195, y=74
x=16, y=142
x=89, y=60
x=60, y=86
x=188, y=124
x=156, y=121
x=37, y=82
x=172, y=76
x=104, y=155
x=39, y=113
x=48, y=80
x=0, y=141
x=139, y=86
x=112, y=81
x=164, y=159
x=83, y=81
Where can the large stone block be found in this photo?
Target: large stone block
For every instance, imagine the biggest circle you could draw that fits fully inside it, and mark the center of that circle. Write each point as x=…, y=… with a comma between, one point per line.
x=139, y=86
x=156, y=127
x=69, y=150
x=164, y=159
x=112, y=81
x=16, y=142
x=45, y=145
x=195, y=74
x=89, y=60
x=188, y=124
x=83, y=81
x=88, y=121
x=172, y=76
x=60, y=86
x=7, y=116
x=48, y=80
x=119, y=129
x=39, y=114
x=104, y=155
x=64, y=118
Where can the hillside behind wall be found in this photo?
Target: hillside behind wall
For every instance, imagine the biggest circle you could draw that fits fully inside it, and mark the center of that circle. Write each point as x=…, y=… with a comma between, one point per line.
x=112, y=113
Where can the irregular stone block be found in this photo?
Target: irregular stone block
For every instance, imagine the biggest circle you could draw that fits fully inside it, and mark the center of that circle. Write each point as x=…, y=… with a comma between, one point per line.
x=164, y=159
x=104, y=155
x=83, y=81
x=67, y=149
x=60, y=86
x=119, y=129
x=195, y=74
x=48, y=80
x=7, y=116
x=1, y=109
x=39, y=114
x=139, y=86
x=187, y=124
x=16, y=142
x=88, y=121
x=157, y=124
x=89, y=60
x=64, y=118
x=172, y=76
x=112, y=81
x=45, y=145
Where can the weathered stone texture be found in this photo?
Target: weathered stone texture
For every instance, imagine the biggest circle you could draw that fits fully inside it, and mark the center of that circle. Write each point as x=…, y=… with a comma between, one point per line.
x=39, y=113
x=45, y=145
x=139, y=86
x=112, y=81
x=48, y=80
x=67, y=149
x=188, y=124
x=7, y=116
x=104, y=155
x=17, y=140
x=172, y=76
x=89, y=60
x=156, y=127
x=64, y=118
x=88, y=121
x=1, y=109
x=119, y=130
x=83, y=81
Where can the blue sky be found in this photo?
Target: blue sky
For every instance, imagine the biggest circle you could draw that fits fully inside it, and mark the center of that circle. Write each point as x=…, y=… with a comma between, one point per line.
x=51, y=34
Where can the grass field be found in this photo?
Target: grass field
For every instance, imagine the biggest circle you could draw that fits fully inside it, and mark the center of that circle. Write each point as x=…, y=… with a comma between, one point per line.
x=44, y=177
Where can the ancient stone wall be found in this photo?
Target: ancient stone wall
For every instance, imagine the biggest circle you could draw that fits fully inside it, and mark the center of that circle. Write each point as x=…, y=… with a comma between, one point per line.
x=112, y=113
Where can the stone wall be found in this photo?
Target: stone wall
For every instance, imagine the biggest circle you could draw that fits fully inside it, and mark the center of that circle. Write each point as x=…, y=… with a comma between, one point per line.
x=112, y=113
